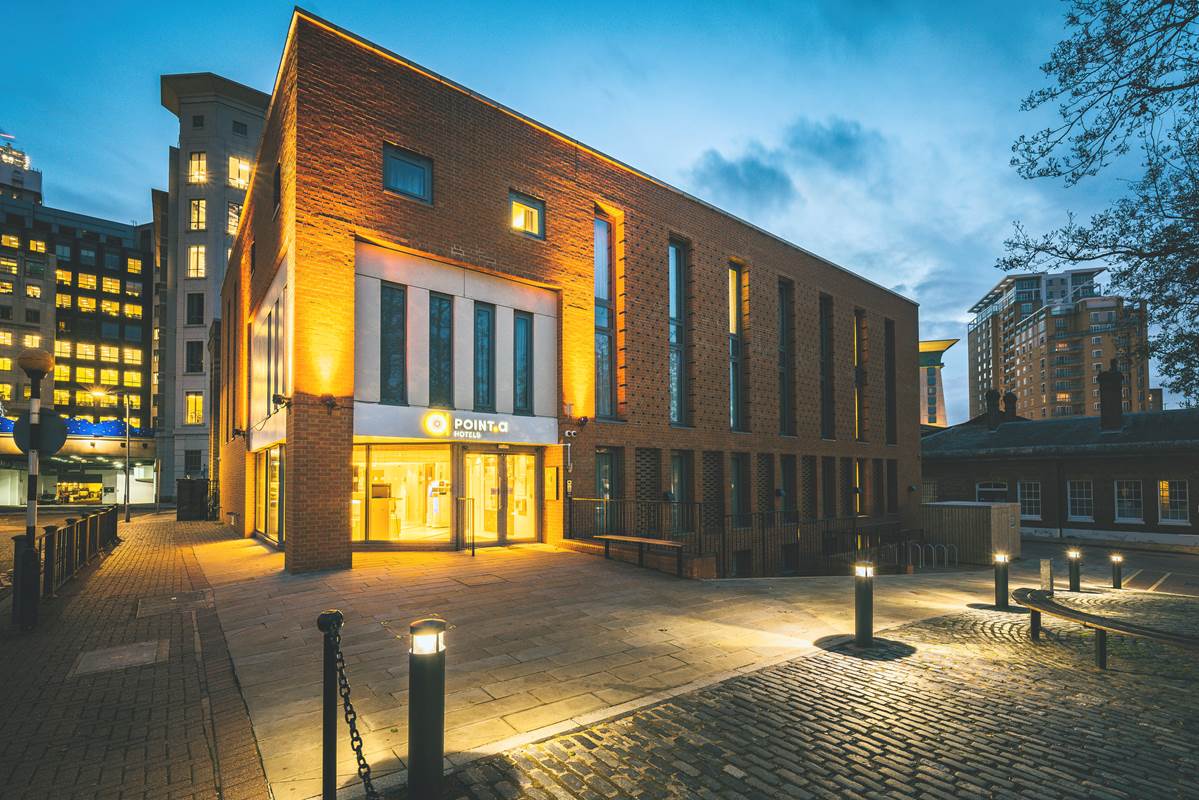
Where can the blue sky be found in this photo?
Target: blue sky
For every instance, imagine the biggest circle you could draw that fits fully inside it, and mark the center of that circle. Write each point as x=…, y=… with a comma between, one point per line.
x=876, y=134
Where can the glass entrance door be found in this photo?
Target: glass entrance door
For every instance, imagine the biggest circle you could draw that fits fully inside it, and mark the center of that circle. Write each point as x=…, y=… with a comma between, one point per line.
x=502, y=494
x=483, y=489
x=520, y=469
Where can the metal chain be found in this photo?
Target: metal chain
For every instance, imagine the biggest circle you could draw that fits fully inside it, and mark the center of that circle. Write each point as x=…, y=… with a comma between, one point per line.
x=343, y=687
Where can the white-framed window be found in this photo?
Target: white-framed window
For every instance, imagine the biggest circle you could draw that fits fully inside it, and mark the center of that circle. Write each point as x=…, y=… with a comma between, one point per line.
x=193, y=403
x=197, y=167
x=1130, y=501
x=1080, y=500
x=991, y=492
x=1029, y=493
x=1173, y=502
x=239, y=172
x=928, y=492
x=197, y=261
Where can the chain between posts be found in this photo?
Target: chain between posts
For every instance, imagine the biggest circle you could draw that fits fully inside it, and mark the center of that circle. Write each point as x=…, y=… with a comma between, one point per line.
x=351, y=716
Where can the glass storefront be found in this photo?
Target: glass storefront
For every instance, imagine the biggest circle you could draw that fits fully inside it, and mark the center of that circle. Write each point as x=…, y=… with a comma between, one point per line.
x=268, y=494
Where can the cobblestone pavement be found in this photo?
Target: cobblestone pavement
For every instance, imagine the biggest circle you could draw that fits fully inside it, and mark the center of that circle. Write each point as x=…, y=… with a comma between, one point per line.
x=1171, y=613
x=75, y=724
x=963, y=705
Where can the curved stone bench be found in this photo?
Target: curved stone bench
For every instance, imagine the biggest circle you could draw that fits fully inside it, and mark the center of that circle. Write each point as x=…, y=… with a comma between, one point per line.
x=1039, y=601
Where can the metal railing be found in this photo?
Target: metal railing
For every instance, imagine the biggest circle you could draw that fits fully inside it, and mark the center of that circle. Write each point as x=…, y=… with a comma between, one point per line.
x=588, y=517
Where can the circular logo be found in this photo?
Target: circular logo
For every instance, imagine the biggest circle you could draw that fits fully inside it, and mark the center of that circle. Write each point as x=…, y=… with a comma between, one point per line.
x=437, y=423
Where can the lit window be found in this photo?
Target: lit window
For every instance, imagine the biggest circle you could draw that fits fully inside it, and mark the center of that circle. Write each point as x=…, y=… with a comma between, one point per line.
x=133, y=288
x=1173, y=503
x=528, y=214
x=33, y=290
x=37, y=245
x=9, y=240
x=87, y=304
x=194, y=405
x=198, y=220
x=197, y=167
x=110, y=353
x=232, y=217
x=110, y=307
x=5, y=391
x=111, y=285
x=8, y=265
x=32, y=340
x=107, y=400
x=84, y=398
x=197, y=265
x=6, y=338
x=5, y=363
x=239, y=172
x=133, y=378
x=107, y=418
x=86, y=351
x=85, y=375
x=5, y=287
x=135, y=422
x=133, y=311
x=109, y=377
x=87, y=281
x=63, y=276
x=135, y=266
x=62, y=397
x=62, y=373
x=62, y=349
x=407, y=173
x=133, y=355
x=135, y=401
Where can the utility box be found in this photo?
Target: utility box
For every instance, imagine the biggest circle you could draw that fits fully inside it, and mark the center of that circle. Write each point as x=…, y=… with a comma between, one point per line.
x=191, y=499
x=977, y=530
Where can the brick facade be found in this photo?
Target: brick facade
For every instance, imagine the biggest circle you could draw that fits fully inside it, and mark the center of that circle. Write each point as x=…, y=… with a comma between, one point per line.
x=338, y=100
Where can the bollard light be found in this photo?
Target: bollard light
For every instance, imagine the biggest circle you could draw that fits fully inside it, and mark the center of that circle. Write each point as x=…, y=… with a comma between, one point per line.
x=1001, y=567
x=426, y=708
x=863, y=604
x=1117, y=571
x=1074, y=557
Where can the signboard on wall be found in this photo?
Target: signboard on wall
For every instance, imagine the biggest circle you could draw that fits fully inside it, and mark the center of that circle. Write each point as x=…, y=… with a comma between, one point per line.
x=451, y=425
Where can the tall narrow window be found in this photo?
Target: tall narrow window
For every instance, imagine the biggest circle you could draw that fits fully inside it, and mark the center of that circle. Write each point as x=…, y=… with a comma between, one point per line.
x=605, y=322
x=736, y=351
x=828, y=396
x=522, y=362
x=786, y=317
x=859, y=374
x=197, y=261
x=232, y=217
x=393, y=345
x=484, y=357
x=198, y=219
x=889, y=379
x=1173, y=503
x=677, y=366
x=197, y=167
x=441, y=351
x=239, y=172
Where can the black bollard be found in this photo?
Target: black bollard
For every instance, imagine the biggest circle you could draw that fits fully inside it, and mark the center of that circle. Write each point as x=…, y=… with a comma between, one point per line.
x=28, y=588
x=329, y=623
x=1001, y=565
x=1074, y=560
x=426, y=709
x=1101, y=648
x=863, y=596
x=1117, y=571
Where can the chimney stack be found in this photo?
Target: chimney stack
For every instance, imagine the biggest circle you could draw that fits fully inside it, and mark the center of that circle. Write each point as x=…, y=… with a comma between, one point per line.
x=1009, y=406
x=1111, y=399
x=992, y=408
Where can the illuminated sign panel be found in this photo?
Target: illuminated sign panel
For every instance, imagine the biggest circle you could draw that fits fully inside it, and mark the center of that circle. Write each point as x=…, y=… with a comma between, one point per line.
x=415, y=422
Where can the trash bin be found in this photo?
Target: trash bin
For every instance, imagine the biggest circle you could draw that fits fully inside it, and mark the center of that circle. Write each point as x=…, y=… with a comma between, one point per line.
x=191, y=499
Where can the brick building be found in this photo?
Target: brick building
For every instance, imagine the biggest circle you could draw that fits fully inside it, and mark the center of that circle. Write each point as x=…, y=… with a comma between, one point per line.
x=443, y=319
x=1119, y=477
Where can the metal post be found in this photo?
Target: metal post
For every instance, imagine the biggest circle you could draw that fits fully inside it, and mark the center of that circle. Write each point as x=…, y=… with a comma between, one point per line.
x=426, y=708
x=49, y=554
x=68, y=549
x=1074, y=560
x=126, y=396
x=1101, y=648
x=26, y=583
x=1035, y=625
x=329, y=623
x=863, y=604
x=1117, y=571
x=1001, y=568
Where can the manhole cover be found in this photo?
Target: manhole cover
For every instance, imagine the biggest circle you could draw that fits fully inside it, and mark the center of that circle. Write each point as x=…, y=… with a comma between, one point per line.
x=183, y=601
x=122, y=657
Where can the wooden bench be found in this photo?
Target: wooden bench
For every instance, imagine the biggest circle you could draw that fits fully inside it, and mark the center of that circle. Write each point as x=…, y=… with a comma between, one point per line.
x=643, y=542
x=1039, y=601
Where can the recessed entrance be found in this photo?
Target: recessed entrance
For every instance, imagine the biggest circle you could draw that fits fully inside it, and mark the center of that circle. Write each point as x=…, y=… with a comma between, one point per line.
x=501, y=493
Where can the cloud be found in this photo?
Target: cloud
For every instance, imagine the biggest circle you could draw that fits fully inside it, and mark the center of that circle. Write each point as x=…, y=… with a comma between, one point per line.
x=839, y=144
x=749, y=182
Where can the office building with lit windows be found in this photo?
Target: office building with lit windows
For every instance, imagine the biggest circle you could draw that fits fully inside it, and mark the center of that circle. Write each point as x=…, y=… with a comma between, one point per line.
x=210, y=167
x=445, y=323
x=82, y=289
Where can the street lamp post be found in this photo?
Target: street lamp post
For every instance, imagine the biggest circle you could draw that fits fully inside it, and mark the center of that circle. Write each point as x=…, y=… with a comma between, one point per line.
x=36, y=364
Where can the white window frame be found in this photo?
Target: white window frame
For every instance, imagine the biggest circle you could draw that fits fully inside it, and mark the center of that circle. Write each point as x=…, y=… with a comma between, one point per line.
x=1186, y=503
x=1020, y=499
x=992, y=486
x=1070, y=515
x=1116, y=501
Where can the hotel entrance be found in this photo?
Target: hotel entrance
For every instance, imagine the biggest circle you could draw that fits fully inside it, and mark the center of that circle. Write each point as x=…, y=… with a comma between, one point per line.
x=501, y=503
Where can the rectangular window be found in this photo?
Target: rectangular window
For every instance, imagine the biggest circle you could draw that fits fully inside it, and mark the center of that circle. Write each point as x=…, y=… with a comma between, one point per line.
x=737, y=403
x=110, y=377
x=528, y=214
x=133, y=355
x=8, y=265
x=6, y=287
x=239, y=128
x=87, y=281
x=62, y=348
x=37, y=246
x=62, y=397
x=605, y=321
x=195, y=308
x=889, y=392
x=232, y=217
x=193, y=357
x=133, y=379
x=33, y=290
x=33, y=315
x=5, y=391
x=6, y=338
x=393, y=349
x=192, y=462
x=786, y=336
x=62, y=373
x=85, y=375
x=677, y=308
x=407, y=173
x=990, y=492
x=441, y=350
x=1080, y=500
x=133, y=311
x=10, y=240
x=859, y=374
x=87, y=304
x=110, y=308
x=198, y=217
x=134, y=265
x=1173, y=501
x=111, y=285
x=1130, y=502
x=484, y=357
x=239, y=172
x=1029, y=493
x=828, y=412
x=32, y=340
x=110, y=353
x=62, y=277
x=85, y=351
x=133, y=289
x=193, y=408
x=197, y=261
x=87, y=256
x=197, y=167
x=522, y=362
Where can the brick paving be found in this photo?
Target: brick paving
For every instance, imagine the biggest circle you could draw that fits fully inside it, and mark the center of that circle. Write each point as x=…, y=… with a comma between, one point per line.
x=963, y=705
x=172, y=729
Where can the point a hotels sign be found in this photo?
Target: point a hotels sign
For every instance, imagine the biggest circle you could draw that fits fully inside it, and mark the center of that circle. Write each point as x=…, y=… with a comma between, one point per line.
x=448, y=424
x=416, y=423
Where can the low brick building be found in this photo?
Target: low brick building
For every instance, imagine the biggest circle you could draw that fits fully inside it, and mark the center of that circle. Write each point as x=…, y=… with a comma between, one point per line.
x=444, y=319
x=1116, y=477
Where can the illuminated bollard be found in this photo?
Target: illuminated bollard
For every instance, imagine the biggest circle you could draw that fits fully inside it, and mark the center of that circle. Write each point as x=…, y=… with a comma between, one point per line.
x=426, y=708
x=1001, y=562
x=1074, y=559
x=863, y=604
x=1117, y=571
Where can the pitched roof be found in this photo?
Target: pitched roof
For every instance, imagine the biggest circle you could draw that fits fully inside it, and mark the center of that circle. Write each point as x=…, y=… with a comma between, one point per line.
x=1177, y=429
